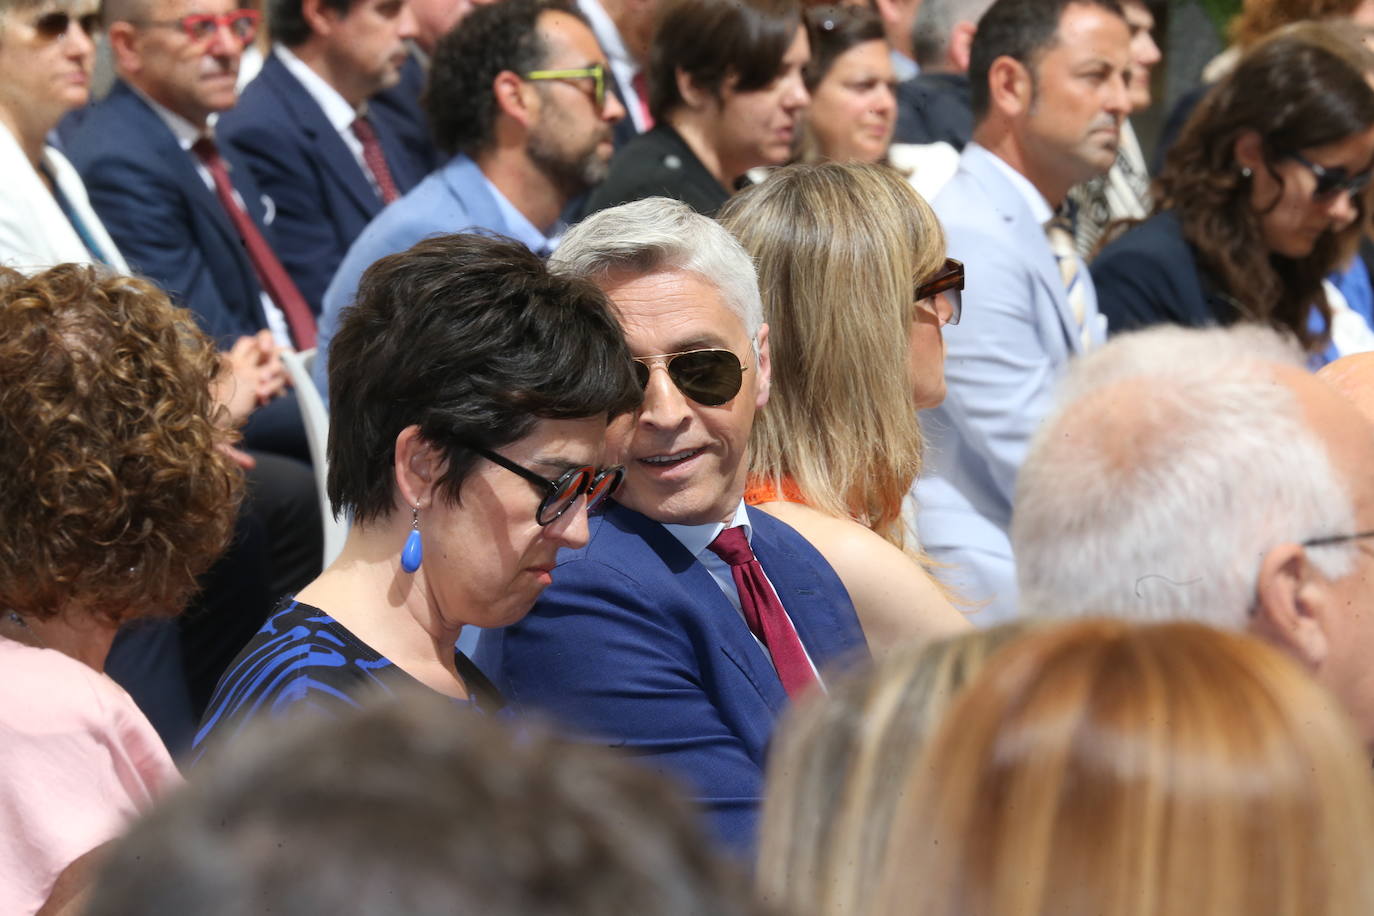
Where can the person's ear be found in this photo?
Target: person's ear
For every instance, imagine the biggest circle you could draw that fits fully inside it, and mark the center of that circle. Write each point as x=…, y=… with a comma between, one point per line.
x=764, y=367
x=418, y=467
x=693, y=96
x=318, y=16
x=1292, y=602
x=1010, y=87
x=1249, y=151
x=123, y=38
x=513, y=97
x=961, y=45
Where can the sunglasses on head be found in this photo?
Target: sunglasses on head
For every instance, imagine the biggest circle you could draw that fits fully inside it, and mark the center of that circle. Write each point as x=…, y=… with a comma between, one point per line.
x=949, y=279
x=560, y=494
x=710, y=377
x=1332, y=181
x=242, y=24
x=54, y=25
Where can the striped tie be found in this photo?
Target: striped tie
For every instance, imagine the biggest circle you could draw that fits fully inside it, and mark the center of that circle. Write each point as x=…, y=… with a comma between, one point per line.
x=1059, y=232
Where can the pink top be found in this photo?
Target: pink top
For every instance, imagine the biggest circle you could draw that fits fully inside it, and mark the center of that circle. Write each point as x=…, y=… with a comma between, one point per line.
x=77, y=761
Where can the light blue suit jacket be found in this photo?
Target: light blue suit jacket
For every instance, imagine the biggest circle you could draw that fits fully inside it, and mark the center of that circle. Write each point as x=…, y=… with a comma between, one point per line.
x=454, y=198
x=1002, y=362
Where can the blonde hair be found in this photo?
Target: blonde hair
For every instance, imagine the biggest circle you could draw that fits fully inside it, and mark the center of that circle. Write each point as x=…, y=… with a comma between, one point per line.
x=839, y=761
x=1105, y=769
x=839, y=249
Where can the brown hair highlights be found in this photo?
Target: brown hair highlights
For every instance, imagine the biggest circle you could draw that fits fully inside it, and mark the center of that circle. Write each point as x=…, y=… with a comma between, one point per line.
x=115, y=494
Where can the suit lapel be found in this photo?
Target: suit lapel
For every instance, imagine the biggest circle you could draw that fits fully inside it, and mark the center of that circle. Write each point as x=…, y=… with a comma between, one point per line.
x=324, y=138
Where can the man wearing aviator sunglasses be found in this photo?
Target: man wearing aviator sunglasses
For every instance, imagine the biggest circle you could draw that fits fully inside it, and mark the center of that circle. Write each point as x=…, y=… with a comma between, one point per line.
x=708, y=616
x=524, y=141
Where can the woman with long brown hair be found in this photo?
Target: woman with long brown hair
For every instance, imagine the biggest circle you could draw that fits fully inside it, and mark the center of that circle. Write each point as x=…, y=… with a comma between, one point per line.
x=1265, y=194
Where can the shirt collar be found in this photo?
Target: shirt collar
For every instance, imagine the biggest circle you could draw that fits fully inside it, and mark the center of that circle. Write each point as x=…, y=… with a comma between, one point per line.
x=519, y=227
x=607, y=35
x=185, y=132
x=1040, y=207
x=337, y=111
x=697, y=538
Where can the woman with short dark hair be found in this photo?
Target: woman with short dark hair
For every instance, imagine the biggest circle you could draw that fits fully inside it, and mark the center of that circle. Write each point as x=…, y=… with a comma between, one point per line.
x=470, y=391
x=1265, y=194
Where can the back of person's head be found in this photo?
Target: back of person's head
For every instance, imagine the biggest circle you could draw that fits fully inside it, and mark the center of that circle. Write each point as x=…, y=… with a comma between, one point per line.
x=838, y=762
x=1305, y=87
x=1022, y=30
x=473, y=340
x=496, y=37
x=287, y=22
x=935, y=24
x=1106, y=769
x=414, y=806
x=1258, y=19
x=657, y=234
x=116, y=492
x=839, y=250
x=1177, y=458
x=718, y=44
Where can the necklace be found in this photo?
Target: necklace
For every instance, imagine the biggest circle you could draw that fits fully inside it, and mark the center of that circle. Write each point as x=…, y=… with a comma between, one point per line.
x=29, y=631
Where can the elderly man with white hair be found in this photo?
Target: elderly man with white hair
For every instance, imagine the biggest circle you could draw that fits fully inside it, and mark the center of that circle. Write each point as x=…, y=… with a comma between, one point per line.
x=688, y=621
x=1205, y=475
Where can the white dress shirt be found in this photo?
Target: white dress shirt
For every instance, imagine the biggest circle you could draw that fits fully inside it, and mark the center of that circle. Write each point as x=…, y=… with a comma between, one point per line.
x=337, y=111
x=623, y=66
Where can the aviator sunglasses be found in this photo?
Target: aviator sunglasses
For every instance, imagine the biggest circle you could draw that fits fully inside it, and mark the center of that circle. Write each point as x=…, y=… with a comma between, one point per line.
x=1332, y=180
x=710, y=377
x=52, y=26
x=560, y=494
x=950, y=281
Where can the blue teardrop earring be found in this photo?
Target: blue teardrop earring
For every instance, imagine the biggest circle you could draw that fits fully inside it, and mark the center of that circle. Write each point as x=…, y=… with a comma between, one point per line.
x=413, y=553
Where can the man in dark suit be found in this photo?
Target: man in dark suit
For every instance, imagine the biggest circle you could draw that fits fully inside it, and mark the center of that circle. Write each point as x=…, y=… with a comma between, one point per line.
x=726, y=94
x=163, y=189
x=688, y=621
x=303, y=128
x=935, y=106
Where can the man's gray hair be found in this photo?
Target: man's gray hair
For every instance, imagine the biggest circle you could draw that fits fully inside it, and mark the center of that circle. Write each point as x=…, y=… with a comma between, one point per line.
x=657, y=234
x=1176, y=459
x=934, y=23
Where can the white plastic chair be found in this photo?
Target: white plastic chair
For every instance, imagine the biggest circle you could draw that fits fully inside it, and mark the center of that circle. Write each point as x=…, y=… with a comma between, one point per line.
x=316, y=419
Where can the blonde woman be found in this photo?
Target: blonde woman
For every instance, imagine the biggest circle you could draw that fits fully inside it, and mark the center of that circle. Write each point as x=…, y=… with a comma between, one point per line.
x=855, y=288
x=1105, y=769
x=839, y=762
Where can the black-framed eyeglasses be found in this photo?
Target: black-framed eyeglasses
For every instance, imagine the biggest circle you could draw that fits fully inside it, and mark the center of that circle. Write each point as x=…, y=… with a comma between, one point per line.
x=1332, y=180
x=54, y=25
x=560, y=494
x=596, y=72
x=710, y=376
x=242, y=24
x=949, y=279
x=1336, y=539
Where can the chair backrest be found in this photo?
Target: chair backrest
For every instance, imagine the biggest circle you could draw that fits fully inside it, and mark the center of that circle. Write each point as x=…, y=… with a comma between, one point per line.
x=316, y=419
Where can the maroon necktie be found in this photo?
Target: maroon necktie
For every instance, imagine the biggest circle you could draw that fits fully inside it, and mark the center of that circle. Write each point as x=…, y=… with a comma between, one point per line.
x=271, y=275
x=375, y=159
x=640, y=82
x=764, y=612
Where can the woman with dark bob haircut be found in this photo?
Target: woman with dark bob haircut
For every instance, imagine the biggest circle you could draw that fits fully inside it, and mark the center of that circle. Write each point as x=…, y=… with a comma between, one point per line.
x=470, y=391
x=1265, y=194
x=117, y=494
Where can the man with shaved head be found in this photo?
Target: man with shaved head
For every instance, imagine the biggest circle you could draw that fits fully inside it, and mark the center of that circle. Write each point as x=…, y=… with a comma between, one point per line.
x=1205, y=475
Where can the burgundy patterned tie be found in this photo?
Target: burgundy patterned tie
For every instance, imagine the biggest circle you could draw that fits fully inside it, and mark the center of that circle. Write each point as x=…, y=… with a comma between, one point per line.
x=764, y=612
x=375, y=159
x=640, y=83
x=273, y=278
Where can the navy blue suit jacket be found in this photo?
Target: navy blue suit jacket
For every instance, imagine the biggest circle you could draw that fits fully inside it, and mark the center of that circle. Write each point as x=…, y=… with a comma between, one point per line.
x=635, y=644
x=323, y=198
x=168, y=224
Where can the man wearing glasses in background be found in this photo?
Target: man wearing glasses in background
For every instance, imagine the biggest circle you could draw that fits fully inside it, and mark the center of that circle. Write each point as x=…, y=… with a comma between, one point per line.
x=687, y=623
x=518, y=96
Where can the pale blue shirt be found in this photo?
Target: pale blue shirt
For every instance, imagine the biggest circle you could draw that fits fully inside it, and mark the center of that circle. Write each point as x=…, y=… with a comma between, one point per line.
x=520, y=228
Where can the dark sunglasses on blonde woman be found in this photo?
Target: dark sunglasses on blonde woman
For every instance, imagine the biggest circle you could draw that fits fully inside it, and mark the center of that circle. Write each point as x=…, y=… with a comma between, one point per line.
x=54, y=25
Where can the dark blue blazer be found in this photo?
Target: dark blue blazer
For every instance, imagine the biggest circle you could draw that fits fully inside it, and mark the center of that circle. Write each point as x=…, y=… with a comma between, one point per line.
x=635, y=644
x=323, y=199
x=168, y=224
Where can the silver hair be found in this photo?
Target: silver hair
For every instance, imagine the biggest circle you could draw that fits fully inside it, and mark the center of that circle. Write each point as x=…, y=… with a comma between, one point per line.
x=934, y=23
x=661, y=234
x=1175, y=460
